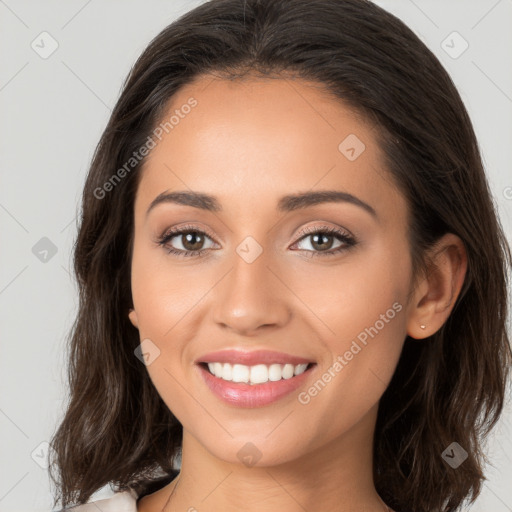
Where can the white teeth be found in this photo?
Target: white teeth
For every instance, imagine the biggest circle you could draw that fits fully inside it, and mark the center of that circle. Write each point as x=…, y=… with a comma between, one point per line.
x=300, y=368
x=288, y=371
x=217, y=369
x=257, y=374
x=240, y=373
x=275, y=372
x=227, y=372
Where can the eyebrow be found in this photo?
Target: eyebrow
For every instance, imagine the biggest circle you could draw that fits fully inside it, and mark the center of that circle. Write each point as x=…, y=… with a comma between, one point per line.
x=286, y=203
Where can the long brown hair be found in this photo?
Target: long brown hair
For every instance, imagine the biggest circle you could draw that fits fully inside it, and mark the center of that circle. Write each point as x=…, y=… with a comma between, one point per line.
x=447, y=388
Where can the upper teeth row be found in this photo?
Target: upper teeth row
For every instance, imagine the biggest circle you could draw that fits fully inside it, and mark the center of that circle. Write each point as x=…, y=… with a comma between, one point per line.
x=257, y=374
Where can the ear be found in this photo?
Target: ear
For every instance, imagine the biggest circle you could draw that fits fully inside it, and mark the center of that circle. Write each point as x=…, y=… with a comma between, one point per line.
x=435, y=295
x=132, y=315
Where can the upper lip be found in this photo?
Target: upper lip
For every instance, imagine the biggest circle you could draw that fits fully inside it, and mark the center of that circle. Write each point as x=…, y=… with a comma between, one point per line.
x=250, y=358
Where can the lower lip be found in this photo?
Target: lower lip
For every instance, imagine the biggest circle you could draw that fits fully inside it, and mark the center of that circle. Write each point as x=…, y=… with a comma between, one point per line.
x=253, y=395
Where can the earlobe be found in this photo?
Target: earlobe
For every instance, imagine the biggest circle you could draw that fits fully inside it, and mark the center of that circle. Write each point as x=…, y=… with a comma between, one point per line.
x=435, y=297
x=132, y=315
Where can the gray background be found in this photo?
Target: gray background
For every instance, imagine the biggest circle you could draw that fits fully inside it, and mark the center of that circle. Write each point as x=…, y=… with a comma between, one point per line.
x=53, y=111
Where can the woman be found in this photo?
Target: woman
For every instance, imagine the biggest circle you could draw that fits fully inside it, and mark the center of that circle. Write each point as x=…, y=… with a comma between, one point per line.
x=292, y=276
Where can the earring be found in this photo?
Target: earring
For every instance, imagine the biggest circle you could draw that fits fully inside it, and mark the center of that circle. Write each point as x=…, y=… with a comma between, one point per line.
x=423, y=326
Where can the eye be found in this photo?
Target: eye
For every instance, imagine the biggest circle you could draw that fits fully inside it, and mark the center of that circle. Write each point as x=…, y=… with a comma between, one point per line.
x=189, y=238
x=322, y=240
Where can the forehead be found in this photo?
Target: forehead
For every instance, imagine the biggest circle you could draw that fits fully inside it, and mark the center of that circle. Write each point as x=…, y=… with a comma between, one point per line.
x=252, y=140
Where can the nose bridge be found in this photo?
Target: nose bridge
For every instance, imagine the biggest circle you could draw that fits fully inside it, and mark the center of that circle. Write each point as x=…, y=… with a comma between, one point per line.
x=250, y=295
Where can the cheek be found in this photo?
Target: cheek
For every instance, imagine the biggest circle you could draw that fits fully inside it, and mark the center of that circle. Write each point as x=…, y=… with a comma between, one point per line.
x=367, y=287
x=365, y=314
x=162, y=294
x=374, y=317
x=163, y=297
x=366, y=321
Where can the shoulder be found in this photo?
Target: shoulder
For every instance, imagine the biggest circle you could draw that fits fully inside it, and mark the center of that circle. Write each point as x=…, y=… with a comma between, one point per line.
x=126, y=501
x=123, y=501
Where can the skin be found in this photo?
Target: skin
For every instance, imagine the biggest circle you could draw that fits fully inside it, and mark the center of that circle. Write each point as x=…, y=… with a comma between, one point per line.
x=248, y=143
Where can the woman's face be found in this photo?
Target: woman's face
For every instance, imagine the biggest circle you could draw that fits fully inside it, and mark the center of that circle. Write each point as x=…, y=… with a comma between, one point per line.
x=262, y=279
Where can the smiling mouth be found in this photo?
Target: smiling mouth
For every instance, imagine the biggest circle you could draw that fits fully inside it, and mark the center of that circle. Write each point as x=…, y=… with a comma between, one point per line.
x=255, y=374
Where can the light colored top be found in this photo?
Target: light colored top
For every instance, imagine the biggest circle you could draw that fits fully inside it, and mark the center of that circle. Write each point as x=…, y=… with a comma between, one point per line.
x=123, y=501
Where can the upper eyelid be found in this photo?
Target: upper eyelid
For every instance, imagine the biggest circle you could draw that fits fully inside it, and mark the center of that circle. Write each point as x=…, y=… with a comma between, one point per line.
x=312, y=229
x=171, y=233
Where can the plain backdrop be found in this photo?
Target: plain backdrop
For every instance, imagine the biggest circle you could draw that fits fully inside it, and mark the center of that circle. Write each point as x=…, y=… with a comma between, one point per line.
x=53, y=111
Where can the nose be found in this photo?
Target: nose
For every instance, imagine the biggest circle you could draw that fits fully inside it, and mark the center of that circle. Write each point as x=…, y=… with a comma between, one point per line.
x=251, y=297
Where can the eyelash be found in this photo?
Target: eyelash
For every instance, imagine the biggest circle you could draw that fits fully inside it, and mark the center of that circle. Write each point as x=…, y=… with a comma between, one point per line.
x=348, y=240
